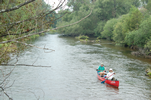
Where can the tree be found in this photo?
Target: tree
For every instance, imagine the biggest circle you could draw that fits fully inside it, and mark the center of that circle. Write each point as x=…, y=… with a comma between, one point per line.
x=108, y=29
x=20, y=21
x=81, y=28
x=107, y=9
x=142, y=36
x=99, y=28
x=126, y=24
x=134, y=20
x=120, y=29
x=103, y=10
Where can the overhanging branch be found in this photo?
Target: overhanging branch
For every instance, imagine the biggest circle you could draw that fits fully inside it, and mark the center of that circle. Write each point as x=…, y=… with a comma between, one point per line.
x=23, y=65
x=16, y=7
x=46, y=30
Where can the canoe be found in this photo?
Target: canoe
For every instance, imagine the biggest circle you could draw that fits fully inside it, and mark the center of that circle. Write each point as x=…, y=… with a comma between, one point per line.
x=113, y=83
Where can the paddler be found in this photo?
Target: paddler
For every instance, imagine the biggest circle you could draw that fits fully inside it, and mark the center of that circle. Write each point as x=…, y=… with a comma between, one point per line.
x=110, y=75
x=101, y=70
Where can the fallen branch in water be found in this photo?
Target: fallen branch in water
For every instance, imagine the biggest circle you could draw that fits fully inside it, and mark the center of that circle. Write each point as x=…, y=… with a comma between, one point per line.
x=5, y=82
x=34, y=46
x=5, y=93
x=23, y=65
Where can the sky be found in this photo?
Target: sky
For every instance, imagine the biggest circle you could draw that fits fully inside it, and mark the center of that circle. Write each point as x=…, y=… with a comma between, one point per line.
x=53, y=3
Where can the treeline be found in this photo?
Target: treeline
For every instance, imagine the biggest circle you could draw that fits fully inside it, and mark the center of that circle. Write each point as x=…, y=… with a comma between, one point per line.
x=126, y=22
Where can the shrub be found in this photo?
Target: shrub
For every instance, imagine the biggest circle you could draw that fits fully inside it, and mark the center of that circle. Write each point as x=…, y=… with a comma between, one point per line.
x=108, y=29
x=82, y=37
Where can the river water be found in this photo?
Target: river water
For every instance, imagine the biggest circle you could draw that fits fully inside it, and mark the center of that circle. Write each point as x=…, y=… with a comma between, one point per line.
x=72, y=75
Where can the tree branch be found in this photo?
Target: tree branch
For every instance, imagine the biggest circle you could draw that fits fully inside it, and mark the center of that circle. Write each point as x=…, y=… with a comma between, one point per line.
x=23, y=65
x=16, y=7
x=18, y=33
x=73, y=23
x=46, y=30
x=41, y=15
x=35, y=27
x=33, y=46
x=6, y=93
x=36, y=16
x=7, y=75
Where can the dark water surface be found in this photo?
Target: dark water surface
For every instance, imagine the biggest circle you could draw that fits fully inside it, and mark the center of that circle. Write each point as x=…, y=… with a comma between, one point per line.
x=72, y=74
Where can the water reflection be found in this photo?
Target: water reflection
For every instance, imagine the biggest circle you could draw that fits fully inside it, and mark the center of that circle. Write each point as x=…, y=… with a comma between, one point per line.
x=112, y=88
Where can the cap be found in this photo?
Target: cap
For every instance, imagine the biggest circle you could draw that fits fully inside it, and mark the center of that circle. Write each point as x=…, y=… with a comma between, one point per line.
x=102, y=64
x=110, y=69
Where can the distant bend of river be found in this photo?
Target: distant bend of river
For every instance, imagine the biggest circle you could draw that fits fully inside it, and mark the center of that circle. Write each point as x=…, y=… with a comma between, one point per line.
x=72, y=75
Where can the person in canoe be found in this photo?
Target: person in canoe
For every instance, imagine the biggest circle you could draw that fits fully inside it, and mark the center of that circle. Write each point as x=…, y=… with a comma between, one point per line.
x=101, y=70
x=110, y=75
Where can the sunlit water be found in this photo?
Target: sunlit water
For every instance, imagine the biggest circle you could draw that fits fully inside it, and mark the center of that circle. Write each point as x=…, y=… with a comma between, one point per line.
x=72, y=75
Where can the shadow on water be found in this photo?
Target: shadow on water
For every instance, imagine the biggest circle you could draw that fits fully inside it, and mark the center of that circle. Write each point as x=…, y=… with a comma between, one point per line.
x=125, y=50
x=109, y=87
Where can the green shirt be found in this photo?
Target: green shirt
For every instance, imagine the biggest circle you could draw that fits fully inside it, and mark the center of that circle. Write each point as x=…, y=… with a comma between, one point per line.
x=101, y=69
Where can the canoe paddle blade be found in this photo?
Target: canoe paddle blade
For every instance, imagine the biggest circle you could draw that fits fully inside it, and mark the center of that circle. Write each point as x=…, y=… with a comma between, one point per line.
x=103, y=81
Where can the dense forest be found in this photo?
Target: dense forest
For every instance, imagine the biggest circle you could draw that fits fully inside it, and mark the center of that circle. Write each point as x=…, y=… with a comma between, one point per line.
x=125, y=22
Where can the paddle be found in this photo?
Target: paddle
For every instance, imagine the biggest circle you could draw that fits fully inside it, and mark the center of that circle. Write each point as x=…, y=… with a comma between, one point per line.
x=99, y=70
x=108, y=77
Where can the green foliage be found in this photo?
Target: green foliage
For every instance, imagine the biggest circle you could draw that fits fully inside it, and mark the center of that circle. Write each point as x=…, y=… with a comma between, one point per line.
x=108, y=29
x=103, y=10
x=144, y=33
x=142, y=36
x=26, y=20
x=107, y=9
x=123, y=30
x=67, y=18
x=148, y=44
x=148, y=72
x=129, y=39
x=99, y=28
x=120, y=29
x=134, y=19
x=1, y=45
x=82, y=37
x=85, y=27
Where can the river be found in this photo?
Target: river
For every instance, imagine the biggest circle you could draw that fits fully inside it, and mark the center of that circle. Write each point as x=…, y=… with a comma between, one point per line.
x=72, y=75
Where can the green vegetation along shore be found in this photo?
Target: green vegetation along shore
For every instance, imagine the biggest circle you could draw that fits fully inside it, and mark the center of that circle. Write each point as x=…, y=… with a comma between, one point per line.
x=125, y=22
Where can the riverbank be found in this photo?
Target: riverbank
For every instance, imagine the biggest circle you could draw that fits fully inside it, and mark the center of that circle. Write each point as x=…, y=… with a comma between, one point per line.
x=139, y=52
x=142, y=53
x=148, y=72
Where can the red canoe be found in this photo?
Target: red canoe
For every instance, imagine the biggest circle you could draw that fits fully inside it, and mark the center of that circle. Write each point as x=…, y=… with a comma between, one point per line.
x=113, y=83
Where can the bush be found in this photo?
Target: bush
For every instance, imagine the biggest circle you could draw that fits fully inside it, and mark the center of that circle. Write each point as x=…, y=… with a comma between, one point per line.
x=124, y=30
x=108, y=29
x=129, y=39
x=82, y=37
x=148, y=44
x=149, y=74
x=144, y=34
x=1, y=45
